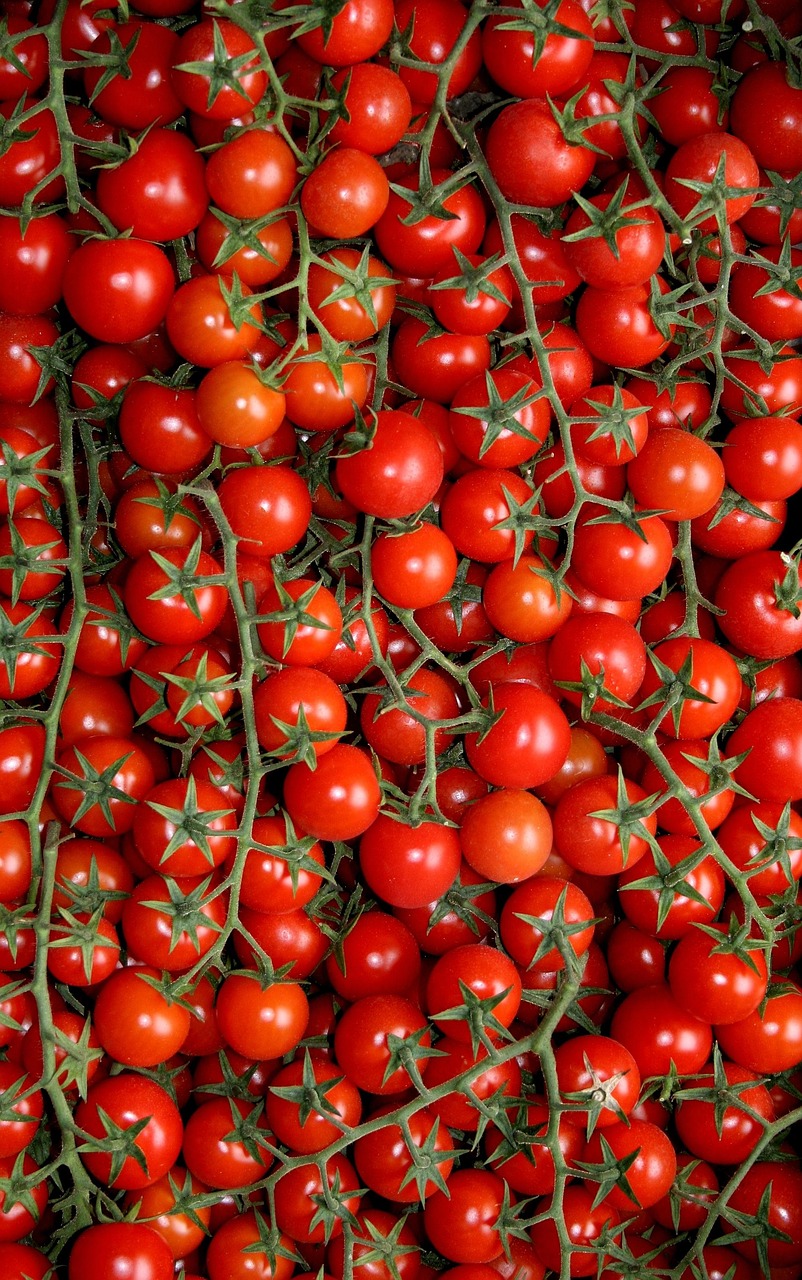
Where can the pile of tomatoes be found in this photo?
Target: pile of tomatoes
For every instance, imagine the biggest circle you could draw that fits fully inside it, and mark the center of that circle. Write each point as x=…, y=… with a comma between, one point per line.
x=400, y=617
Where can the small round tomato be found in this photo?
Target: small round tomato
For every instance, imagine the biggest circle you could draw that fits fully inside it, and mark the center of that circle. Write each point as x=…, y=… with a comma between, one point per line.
x=526, y=744
x=261, y=1020
x=236, y=407
x=498, y=419
x=621, y=560
x=541, y=923
x=506, y=835
x=527, y=68
x=226, y=1142
x=530, y=158
x=398, y=471
x=105, y=1250
x=408, y=866
x=765, y=115
x=135, y=1022
x=337, y=800
x=771, y=737
x=424, y=247
x=769, y=1039
x=698, y=680
x=323, y=393
x=341, y=292
x=159, y=192
x=377, y=104
x=618, y=326
x=196, y=85
x=657, y=1032
x=345, y=195
x=436, y=27
x=252, y=174
x=676, y=473
x=118, y=290
x=697, y=161
x=268, y=508
x=129, y=1100
x=300, y=1190
x=209, y=321
x=716, y=981
x=628, y=255
x=99, y=782
x=179, y=597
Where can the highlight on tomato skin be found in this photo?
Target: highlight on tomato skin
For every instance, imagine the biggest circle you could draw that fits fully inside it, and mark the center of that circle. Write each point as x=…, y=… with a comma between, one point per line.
x=400, y=639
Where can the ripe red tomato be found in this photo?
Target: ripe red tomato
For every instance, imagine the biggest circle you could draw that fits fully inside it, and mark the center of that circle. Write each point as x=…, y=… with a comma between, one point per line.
x=526, y=744
x=409, y=866
x=101, y=1251
x=506, y=835
x=345, y=195
x=125, y=1101
x=462, y=1222
x=528, y=69
x=118, y=290
x=530, y=159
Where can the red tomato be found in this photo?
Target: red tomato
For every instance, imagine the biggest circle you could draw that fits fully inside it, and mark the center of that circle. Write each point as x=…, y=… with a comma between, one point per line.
x=102, y=1251
x=126, y=1100
x=530, y=159
x=526, y=68
x=526, y=745
x=697, y=161
x=425, y=246
x=506, y=835
x=345, y=195
x=118, y=290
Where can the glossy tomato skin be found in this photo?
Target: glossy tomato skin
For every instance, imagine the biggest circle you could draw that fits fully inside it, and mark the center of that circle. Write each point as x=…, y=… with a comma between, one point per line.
x=118, y=290
x=437, y=25
x=658, y=1032
x=295, y=1203
x=727, y=1139
x=765, y=93
x=409, y=866
x=378, y=104
x=159, y=193
x=145, y=97
x=619, y=561
x=681, y=472
x=339, y=799
x=506, y=835
x=197, y=90
x=697, y=160
x=437, y=365
x=400, y=471
x=754, y=594
x=32, y=263
x=617, y=325
x=171, y=617
x=29, y=159
x=530, y=159
x=527, y=745
x=357, y=32
x=462, y=1225
x=127, y=1099
x=584, y=1224
x=109, y=1249
x=521, y=68
x=770, y=1038
x=424, y=247
x=346, y=195
x=772, y=734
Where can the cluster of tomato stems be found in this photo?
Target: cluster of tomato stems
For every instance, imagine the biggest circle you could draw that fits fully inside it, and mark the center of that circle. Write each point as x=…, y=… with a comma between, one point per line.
x=83, y=1202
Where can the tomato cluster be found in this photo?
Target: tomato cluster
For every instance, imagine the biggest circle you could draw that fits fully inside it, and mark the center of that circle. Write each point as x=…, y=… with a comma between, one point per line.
x=400, y=619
